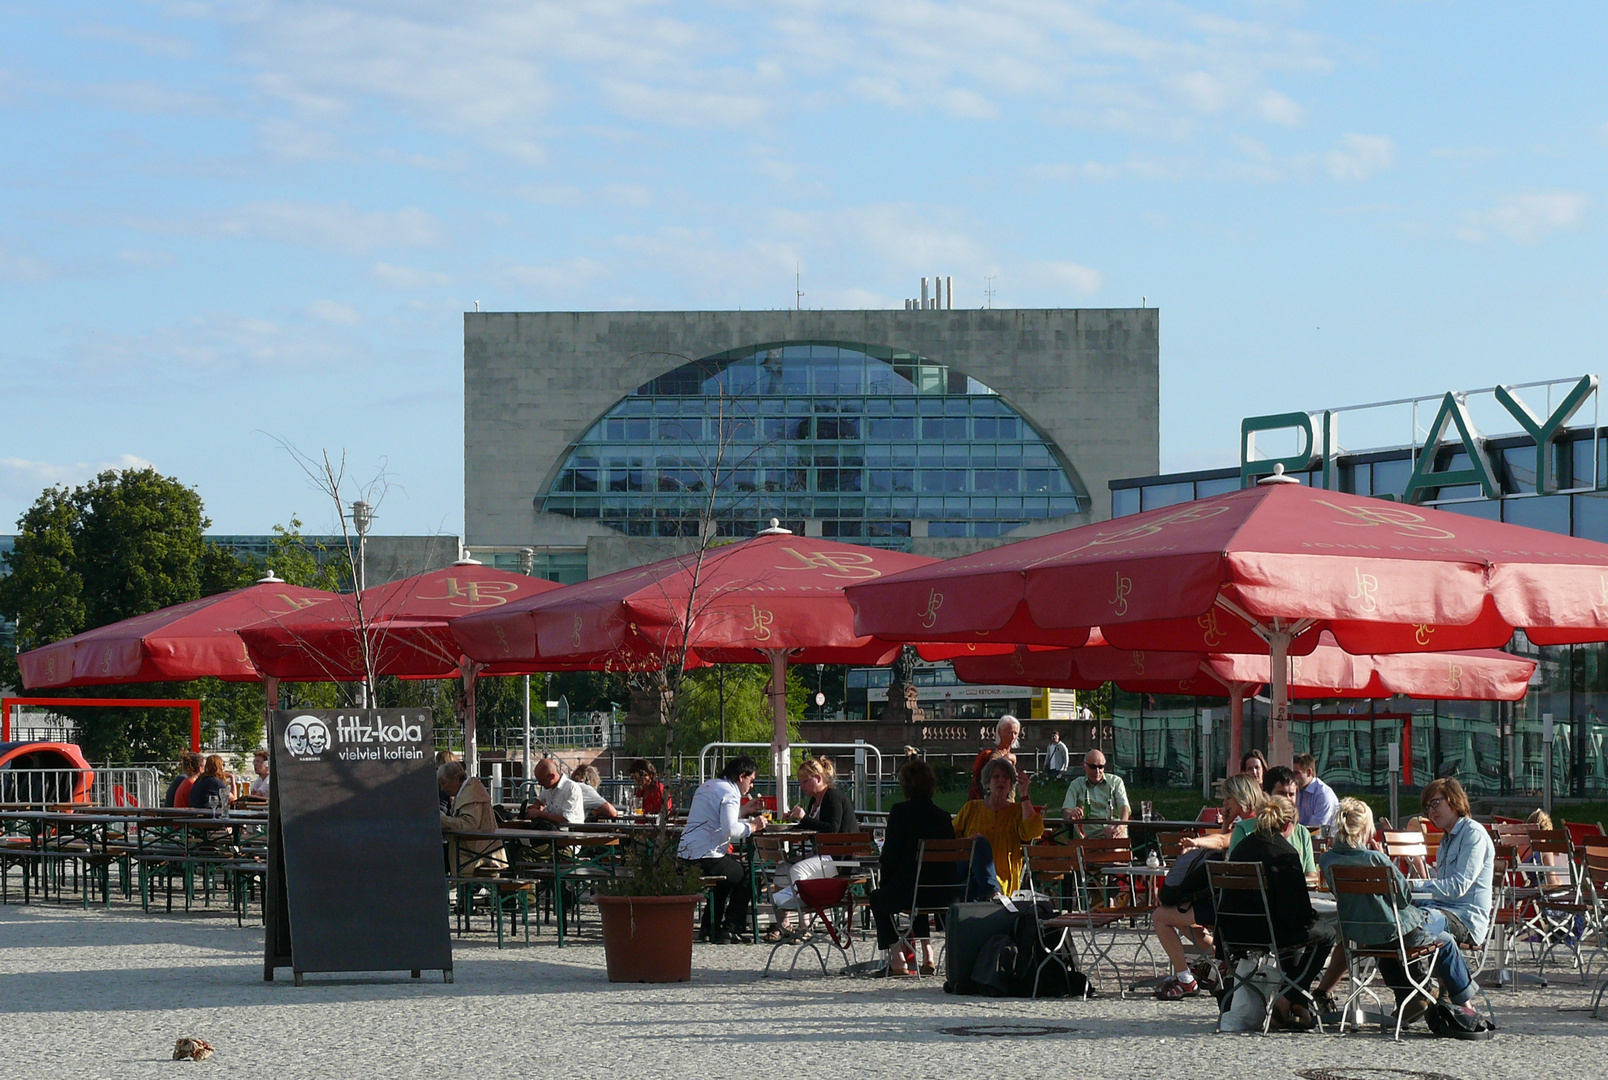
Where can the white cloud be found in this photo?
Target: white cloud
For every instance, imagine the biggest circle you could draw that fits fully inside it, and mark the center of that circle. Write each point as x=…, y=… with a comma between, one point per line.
x=1360, y=156
x=1275, y=108
x=407, y=277
x=1526, y=219
x=332, y=311
x=23, y=480
x=213, y=342
x=1061, y=278
x=17, y=268
x=559, y=278
x=333, y=227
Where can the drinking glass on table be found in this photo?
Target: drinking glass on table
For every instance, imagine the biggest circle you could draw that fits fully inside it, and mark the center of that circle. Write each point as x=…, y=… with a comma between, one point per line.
x=1146, y=810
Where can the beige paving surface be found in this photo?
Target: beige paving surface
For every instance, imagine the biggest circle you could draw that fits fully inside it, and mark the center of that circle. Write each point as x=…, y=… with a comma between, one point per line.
x=105, y=994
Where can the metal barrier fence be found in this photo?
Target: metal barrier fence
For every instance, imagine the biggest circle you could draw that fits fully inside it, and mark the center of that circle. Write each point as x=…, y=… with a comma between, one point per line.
x=98, y=787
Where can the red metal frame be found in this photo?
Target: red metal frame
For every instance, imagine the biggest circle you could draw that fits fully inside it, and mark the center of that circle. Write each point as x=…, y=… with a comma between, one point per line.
x=193, y=704
x=1406, y=735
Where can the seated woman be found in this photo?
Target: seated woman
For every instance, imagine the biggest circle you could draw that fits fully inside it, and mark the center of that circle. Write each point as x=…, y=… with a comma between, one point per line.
x=1241, y=796
x=1275, y=781
x=212, y=783
x=910, y=822
x=1242, y=919
x=1006, y=823
x=650, y=791
x=1369, y=920
x=827, y=811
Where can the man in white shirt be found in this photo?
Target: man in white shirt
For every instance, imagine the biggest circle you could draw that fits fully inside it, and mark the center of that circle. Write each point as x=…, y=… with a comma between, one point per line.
x=559, y=802
x=259, y=765
x=715, y=821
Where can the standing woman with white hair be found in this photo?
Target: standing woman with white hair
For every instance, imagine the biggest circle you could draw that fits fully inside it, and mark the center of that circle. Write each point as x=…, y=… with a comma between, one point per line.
x=1007, y=733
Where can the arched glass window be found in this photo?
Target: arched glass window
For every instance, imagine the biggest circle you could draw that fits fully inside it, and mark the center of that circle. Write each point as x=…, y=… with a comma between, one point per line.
x=863, y=438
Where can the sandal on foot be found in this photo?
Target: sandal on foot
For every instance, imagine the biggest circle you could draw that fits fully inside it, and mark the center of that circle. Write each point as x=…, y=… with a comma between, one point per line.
x=1173, y=988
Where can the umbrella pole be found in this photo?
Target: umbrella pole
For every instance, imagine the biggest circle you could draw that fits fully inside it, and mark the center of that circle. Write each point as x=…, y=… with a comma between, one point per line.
x=780, y=757
x=470, y=758
x=1278, y=727
x=1236, y=726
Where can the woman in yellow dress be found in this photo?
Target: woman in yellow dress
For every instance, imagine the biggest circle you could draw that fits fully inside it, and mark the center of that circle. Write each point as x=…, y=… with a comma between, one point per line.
x=1002, y=820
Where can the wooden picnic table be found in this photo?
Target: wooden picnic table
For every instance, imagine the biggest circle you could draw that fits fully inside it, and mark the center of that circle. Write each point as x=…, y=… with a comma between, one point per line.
x=557, y=870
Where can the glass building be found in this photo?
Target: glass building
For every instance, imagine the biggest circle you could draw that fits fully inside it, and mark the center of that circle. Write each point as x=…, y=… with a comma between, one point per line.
x=1492, y=748
x=856, y=442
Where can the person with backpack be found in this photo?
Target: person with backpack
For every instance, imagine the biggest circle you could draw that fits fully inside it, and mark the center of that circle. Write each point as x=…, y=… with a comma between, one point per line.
x=1186, y=904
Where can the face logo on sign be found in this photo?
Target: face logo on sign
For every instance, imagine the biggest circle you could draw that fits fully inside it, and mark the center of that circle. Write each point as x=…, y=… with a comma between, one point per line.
x=1367, y=585
x=929, y=617
x=306, y=736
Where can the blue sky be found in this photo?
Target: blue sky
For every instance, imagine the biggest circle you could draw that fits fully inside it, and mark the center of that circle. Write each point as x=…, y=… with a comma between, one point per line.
x=230, y=226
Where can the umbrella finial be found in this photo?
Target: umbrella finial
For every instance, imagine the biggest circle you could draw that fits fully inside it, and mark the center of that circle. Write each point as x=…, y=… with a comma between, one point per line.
x=270, y=578
x=776, y=529
x=1277, y=476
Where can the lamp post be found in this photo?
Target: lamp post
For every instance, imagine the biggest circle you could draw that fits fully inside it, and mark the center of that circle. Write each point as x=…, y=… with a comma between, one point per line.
x=527, y=565
x=362, y=518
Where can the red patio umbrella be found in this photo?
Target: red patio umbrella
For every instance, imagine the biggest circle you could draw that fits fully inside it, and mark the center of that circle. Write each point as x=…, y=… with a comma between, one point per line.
x=774, y=598
x=1257, y=570
x=193, y=640
x=407, y=632
x=1327, y=672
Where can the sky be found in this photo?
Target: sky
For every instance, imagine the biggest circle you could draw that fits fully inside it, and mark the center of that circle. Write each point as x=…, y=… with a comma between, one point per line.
x=236, y=235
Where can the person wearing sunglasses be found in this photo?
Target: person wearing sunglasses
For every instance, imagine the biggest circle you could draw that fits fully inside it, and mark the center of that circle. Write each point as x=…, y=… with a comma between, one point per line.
x=1098, y=793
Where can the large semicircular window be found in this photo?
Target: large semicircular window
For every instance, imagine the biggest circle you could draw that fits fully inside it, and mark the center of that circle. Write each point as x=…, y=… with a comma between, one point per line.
x=862, y=438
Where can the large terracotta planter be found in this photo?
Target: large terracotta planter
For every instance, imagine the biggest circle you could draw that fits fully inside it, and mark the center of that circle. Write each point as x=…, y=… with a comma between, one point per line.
x=648, y=938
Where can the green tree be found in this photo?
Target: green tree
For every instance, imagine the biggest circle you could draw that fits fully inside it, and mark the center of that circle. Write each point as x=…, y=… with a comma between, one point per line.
x=42, y=592
x=739, y=693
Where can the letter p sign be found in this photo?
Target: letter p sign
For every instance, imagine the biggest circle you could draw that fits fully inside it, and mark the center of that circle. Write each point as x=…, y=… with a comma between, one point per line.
x=1252, y=467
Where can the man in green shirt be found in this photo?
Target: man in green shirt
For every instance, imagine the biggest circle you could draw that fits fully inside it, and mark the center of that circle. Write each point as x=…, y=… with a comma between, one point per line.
x=1097, y=794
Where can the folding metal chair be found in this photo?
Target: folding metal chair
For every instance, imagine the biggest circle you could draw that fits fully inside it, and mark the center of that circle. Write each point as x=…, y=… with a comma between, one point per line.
x=1057, y=864
x=1378, y=881
x=930, y=855
x=1241, y=936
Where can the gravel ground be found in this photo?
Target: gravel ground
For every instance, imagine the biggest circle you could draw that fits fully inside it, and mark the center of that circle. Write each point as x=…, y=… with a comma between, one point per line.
x=106, y=993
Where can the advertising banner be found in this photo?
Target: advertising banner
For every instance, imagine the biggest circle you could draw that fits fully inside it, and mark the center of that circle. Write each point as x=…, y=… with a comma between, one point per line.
x=356, y=880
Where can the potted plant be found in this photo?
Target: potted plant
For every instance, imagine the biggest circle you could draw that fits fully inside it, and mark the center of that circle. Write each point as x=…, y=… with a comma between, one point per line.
x=648, y=913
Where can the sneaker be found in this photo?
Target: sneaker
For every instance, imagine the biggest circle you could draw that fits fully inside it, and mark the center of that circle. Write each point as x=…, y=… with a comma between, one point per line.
x=1412, y=1012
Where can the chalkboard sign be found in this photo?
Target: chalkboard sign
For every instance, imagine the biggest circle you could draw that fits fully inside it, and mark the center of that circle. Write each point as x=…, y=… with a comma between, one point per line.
x=356, y=880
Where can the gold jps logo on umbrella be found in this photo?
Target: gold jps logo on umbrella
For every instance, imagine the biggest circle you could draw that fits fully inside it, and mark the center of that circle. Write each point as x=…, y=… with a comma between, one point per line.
x=1454, y=677
x=843, y=564
x=476, y=593
x=1367, y=585
x=1211, y=633
x=1119, y=599
x=1421, y=632
x=1405, y=522
x=759, y=622
x=929, y=615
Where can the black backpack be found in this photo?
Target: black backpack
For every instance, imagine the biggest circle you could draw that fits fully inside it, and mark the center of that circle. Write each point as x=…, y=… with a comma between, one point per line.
x=1008, y=965
x=1186, y=884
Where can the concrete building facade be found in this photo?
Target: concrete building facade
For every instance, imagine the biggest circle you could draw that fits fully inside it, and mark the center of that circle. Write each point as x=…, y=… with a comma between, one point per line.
x=543, y=470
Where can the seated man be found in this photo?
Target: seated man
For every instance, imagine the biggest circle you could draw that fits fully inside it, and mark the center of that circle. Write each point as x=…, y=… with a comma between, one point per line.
x=259, y=765
x=1314, y=800
x=1097, y=793
x=559, y=801
x=1278, y=780
x=470, y=812
x=1458, y=900
x=715, y=821
x=596, y=806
